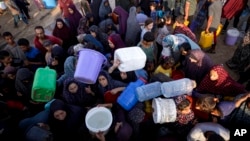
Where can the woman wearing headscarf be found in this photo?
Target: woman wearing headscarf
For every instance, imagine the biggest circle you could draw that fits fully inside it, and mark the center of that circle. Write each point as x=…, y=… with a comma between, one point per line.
x=74, y=18
x=104, y=10
x=115, y=42
x=23, y=84
x=95, y=5
x=106, y=83
x=218, y=81
x=65, y=120
x=69, y=70
x=74, y=93
x=122, y=17
x=133, y=28
x=62, y=31
x=107, y=26
x=85, y=22
x=196, y=65
x=100, y=36
x=241, y=56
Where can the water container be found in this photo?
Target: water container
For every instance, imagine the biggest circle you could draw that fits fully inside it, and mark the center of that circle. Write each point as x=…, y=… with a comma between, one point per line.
x=218, y=31
x=128, y=98
x=206, y=39
x=44, y=85
x=232, y=36
x=98, y=119
x=164, y=110
x=89, y=65
x=149, y=91
x=185, y=23
x=178, y=87
x=2, y=5
x=49, y=4
x=131, y=58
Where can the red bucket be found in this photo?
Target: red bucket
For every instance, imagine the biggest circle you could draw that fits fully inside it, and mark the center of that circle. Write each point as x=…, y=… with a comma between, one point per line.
x=177, y=74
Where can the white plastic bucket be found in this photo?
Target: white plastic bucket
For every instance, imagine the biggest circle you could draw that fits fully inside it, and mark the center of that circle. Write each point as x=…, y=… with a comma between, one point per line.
x=98, y=119
x=164, y=110
x=131, y=58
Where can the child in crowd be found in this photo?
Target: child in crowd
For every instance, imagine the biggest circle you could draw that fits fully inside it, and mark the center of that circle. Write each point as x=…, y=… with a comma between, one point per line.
x=165, y=66
x=153, y=13
x=7, y=60
x=34, y=57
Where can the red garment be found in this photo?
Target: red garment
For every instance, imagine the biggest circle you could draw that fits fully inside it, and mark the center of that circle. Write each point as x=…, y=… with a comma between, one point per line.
x=186, y=31
x=39, y=45
x=225, y=85
x=232, y=7
x=185, y=118
x=64, y=4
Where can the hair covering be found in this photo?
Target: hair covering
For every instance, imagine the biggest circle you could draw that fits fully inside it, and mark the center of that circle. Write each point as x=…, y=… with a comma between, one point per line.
x=133, y=28
x=224, y=85
x=104, y=10
x=107, y=26
x=84, y=24
x=90, y=39
x=24, y=88
x=74, y=19
x=80, y=98
x=10, y=70
x=123, y=16
x=69, y=69
x=197, y=70
x=111, y=83
x=63, y=33
x=117, y=41
x=67, y=128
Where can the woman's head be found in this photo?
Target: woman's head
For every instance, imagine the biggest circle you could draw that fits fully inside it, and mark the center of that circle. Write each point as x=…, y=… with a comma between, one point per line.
x=60, y=23
x=213, y=75
x=73, y=87
x=184, y=106
x=58, y=109
x=167, y=62
x=103, y=81
x=71, y=9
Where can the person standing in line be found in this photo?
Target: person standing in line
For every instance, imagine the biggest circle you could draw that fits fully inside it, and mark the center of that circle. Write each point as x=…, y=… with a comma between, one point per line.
x=187, y=9
x=213, y=21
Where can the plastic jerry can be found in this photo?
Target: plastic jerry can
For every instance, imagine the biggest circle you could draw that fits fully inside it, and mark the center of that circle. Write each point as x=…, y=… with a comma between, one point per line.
x=44, y=85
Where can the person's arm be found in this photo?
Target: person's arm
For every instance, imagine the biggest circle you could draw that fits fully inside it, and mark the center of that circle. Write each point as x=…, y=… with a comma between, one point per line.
x=114, y=66
x=116, y=90
x=186, y=10
x=209, y=22
x=241, y=100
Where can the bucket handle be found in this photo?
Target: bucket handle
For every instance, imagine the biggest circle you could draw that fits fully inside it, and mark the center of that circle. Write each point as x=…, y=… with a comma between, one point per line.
x=105, y=61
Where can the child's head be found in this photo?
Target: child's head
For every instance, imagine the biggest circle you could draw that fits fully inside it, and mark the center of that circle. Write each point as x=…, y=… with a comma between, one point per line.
x=73, y=87
x=168, y=20
x=5, y=57
x=48, y=45
x=179, y=20
x=8, y=37
x=161, y=23
x=148, y=39
x=184, y=106
x=23, y=44
x=213, y=75
x=152, y=6
x=167, y=62
x=10, y=72
x=149, y=23
x=206, y=103
x=184, y=48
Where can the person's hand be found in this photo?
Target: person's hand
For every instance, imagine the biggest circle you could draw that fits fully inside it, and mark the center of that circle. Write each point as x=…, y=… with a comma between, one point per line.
x=43, y=125
x=100, y=136
x=186, y=18
x=117, y=126
x=207, y=31
x=116, y=63
x=88, y=90
x=26, y=62
x=54, y=62
x=19, y=94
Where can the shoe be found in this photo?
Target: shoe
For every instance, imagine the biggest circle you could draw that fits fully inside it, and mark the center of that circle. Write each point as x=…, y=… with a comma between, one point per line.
x=212, y=51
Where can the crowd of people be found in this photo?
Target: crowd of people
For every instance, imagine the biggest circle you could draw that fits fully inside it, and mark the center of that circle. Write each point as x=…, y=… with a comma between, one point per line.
x=165, y=31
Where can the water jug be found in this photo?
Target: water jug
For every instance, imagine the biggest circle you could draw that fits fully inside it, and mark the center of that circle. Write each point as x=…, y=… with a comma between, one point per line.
x=44, y=85
x=89, y=65
x=206, y=40
x=185, y=23
x=131, y=58
x=148, y=91
x=164, y=110
x=49, y=4
x=128, y=98
x=232, y=36
x=218, y=31
x=178, y=87
x=2, y=5
x=98, y=119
